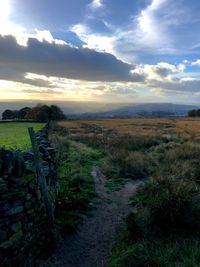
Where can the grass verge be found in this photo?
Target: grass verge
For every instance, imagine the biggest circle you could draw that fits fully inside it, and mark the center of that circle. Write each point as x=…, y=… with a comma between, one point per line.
x=76, y=183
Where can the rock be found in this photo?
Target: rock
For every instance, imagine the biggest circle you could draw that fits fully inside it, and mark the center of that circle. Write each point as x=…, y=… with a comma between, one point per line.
x=22, y=213
x=14, y=210
x=4, y=208
x=3, y=186
x=28, y=205
x=46, y=169
x=45, y=142
x=29, y=196
x=9, y=162
x=3, y=234
x=12, y=241
x=16, y=227
x=1, y=165
x=51, y=150
x=30, y=212
x=30, y=165
x=28, y=155
x=32, y=185
x=19, y=163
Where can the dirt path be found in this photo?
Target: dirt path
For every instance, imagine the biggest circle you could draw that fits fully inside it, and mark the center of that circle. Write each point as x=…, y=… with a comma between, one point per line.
x=93, y=243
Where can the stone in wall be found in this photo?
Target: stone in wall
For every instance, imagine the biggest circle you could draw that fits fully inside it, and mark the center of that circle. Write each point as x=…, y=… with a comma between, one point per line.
x=24, y=228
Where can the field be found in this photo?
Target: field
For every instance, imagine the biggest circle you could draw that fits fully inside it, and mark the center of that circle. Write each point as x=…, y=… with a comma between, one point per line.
x=144, y=126
x=161, y=156
x=164, y=154
x=14, y=135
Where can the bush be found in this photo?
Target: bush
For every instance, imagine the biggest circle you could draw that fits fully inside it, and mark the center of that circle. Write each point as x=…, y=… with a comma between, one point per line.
x=135, y=165
x=185, y=151
x=171, y=204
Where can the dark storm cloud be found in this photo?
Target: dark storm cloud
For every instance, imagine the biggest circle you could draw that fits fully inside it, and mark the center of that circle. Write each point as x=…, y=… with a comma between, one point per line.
x=52, y=59
x=10, y=74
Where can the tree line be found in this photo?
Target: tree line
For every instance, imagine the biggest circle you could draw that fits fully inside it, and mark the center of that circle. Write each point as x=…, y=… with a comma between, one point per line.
x=41, y=113
x=194, y=113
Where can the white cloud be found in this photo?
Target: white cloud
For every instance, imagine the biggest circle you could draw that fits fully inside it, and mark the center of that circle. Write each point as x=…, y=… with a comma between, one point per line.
x=96, y=4
x=196, y=63
x=149, y=30
x=22, y=35
x=46, y=35
x=5, y=9
x=146, y=32
x=94, y=41
x=160, y=71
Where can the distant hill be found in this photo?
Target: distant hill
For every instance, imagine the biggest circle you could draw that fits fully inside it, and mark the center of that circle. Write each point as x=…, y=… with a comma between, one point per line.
x=68, y=107
x=146, y=110
x=75, y=109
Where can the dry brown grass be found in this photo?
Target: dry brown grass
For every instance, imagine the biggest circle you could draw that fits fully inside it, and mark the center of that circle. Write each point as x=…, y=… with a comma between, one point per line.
x=145, y=126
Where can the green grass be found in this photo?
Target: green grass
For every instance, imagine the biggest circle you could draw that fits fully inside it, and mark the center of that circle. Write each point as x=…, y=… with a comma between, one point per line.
x=76, y=182
x=163, y=228
x=157, y=253
x=14, y=135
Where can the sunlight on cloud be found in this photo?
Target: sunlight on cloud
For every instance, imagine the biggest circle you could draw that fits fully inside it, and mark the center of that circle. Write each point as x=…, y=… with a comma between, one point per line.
x=94, y=41
x=5, y=9
x=145, y=32
x=96, y=4
x=196, y=63
x=46, y=35
x=160, y=71
x=150, y=31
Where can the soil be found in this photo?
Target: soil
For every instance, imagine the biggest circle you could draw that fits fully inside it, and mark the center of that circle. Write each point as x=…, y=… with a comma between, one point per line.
x=91, y=246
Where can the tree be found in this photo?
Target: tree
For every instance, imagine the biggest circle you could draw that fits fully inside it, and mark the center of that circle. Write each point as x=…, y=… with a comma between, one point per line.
x=45, y=113
x=192, y=113
x=56, y=113
x=23, y=112
x=10, y=114
x=37, y=114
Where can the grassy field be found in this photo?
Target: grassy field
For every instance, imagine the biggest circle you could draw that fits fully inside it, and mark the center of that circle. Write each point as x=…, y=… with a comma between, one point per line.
x=163, y=228
x=14, y=135
x=144, y=126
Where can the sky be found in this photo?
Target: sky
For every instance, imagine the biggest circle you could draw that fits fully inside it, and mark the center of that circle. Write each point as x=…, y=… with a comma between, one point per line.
x=100, y=50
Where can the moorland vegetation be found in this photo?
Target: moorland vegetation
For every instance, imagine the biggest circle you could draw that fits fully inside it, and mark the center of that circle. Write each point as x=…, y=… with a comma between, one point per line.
x=163, y=227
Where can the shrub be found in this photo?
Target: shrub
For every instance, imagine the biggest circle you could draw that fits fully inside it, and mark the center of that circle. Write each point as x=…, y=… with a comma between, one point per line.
x=171, y=204
x=183, y=152
x=110, y=169
x=135, y=165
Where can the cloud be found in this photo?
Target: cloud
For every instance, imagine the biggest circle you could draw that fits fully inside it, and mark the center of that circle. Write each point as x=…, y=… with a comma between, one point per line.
x=187, y=84
x=164, y=77
x=95, y=4
x=196, y=63
x=159, y=71
x=41, y=91
x=149, y=32
x=94, y=41
x=52, y=59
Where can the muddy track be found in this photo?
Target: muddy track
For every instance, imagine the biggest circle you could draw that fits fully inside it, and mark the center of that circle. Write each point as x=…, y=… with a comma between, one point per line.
x=91, y=246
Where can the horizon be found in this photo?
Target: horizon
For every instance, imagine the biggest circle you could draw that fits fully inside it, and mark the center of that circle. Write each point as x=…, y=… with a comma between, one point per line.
x=100, y=51
x=35, y=101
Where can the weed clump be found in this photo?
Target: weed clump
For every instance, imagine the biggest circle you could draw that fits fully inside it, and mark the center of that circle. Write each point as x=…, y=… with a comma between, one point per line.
x=170, y=204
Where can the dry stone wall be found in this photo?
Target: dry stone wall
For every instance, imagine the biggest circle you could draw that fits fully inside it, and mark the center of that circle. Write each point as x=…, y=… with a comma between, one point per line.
x=24, y=227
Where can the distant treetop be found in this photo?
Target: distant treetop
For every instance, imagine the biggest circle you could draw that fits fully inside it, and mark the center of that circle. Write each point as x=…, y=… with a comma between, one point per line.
x=42, y=113
x=194, y=113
